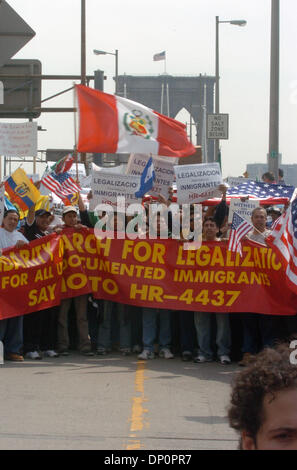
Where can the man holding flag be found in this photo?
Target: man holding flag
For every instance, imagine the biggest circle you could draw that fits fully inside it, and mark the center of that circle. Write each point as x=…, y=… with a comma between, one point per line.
x=255, y=324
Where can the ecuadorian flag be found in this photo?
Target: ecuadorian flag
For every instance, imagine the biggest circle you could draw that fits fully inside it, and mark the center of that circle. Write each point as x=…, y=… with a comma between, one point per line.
x=21, y=190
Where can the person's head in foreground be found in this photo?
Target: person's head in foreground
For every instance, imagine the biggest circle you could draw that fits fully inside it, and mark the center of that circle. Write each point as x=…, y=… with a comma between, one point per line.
x=263, y=406
x=69, y=216
x=10, y=220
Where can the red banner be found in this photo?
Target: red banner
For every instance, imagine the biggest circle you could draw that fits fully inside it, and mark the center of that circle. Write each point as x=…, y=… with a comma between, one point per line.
x=151, y=273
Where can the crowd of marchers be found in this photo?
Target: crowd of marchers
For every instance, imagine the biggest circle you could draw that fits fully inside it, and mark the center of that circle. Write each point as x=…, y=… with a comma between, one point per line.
x=99, y=327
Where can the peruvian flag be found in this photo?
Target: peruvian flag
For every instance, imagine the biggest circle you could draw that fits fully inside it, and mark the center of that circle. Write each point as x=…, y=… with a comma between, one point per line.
x=112, y=124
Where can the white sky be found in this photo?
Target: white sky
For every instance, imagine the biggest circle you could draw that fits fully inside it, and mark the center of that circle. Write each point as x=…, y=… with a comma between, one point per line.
x=186, y=30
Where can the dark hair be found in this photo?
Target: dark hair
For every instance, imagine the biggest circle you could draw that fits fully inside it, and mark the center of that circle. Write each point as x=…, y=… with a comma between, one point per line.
x=280, y=173
x=268, y=373
x=260, y=208
x=11, y=211
x=268, y=175
x=211, y=219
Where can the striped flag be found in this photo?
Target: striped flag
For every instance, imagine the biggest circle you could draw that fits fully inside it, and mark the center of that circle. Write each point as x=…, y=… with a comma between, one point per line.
x=113, y=124
x=61, y=184
x=239, y=228
x=283, y=241
x=160, y=56
x=21, y=190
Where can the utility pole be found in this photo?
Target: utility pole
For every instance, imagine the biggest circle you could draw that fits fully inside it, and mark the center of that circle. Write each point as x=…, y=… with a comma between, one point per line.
x=83, y=42
x=83, y=68
x=273, y=155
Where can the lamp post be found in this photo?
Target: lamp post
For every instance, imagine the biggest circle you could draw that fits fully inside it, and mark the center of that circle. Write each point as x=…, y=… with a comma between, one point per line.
x=217, y=95
x=273, y=153
x=98, y=52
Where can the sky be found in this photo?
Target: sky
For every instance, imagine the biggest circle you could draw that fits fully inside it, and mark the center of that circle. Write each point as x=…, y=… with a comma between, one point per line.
x=186, y=31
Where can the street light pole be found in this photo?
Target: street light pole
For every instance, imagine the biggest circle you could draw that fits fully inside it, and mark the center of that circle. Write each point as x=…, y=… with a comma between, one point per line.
x=116, y=54
x=217, y=77
x=217, y=95
x=116, y=70
x=273, y=155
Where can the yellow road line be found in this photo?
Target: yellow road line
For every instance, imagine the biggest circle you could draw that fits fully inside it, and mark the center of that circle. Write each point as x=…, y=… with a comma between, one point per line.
x=137, y=415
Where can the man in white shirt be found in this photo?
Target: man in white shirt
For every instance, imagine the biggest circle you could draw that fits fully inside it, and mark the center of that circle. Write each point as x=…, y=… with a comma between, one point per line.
x=11, y=329
x=9, y=235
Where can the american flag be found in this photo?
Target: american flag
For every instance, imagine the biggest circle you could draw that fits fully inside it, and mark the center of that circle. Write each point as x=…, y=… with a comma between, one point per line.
x=239, y=228
x=61, y=184
x=263, y=192
x=283, y=240
x=160, y=56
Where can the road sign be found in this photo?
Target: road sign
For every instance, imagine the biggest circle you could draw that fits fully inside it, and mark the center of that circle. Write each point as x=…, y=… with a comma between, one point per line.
x=14, y=32
x=21, y=94
x=218, y=126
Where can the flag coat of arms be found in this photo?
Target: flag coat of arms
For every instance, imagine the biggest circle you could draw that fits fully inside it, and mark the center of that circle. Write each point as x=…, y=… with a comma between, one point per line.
x=21, y=190
x=112, y=124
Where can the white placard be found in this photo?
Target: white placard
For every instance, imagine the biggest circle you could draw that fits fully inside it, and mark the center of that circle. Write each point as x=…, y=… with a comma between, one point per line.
x=18, y=140
x=2, y=200
x=197, y=183
x=106, y=187
x=244, y=209
x=164, y=171
x=236, y=180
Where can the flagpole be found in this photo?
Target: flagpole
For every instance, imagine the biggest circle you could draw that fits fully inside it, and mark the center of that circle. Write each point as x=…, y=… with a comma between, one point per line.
x=75, y=130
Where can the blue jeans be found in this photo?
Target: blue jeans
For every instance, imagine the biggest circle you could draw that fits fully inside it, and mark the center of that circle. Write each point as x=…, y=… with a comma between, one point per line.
x=259, y=331
x=203, y=328
x=149, y=328
x=187, y=328
x=105, y=328
x=11, y=334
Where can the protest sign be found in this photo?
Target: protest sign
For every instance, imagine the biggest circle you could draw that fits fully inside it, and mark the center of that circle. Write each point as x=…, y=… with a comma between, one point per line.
x=164, y=171
x=150, y=273
x=197, y=183
x=244, y=209
x=107, y=187
x=18, y=140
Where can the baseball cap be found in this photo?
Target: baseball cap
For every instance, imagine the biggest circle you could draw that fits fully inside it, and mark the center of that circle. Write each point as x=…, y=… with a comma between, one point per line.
x=41, y=212
x=69, y=209
x=274, y=209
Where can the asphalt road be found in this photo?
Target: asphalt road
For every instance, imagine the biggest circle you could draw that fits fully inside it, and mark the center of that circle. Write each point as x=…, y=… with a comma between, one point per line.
x=115, y=403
